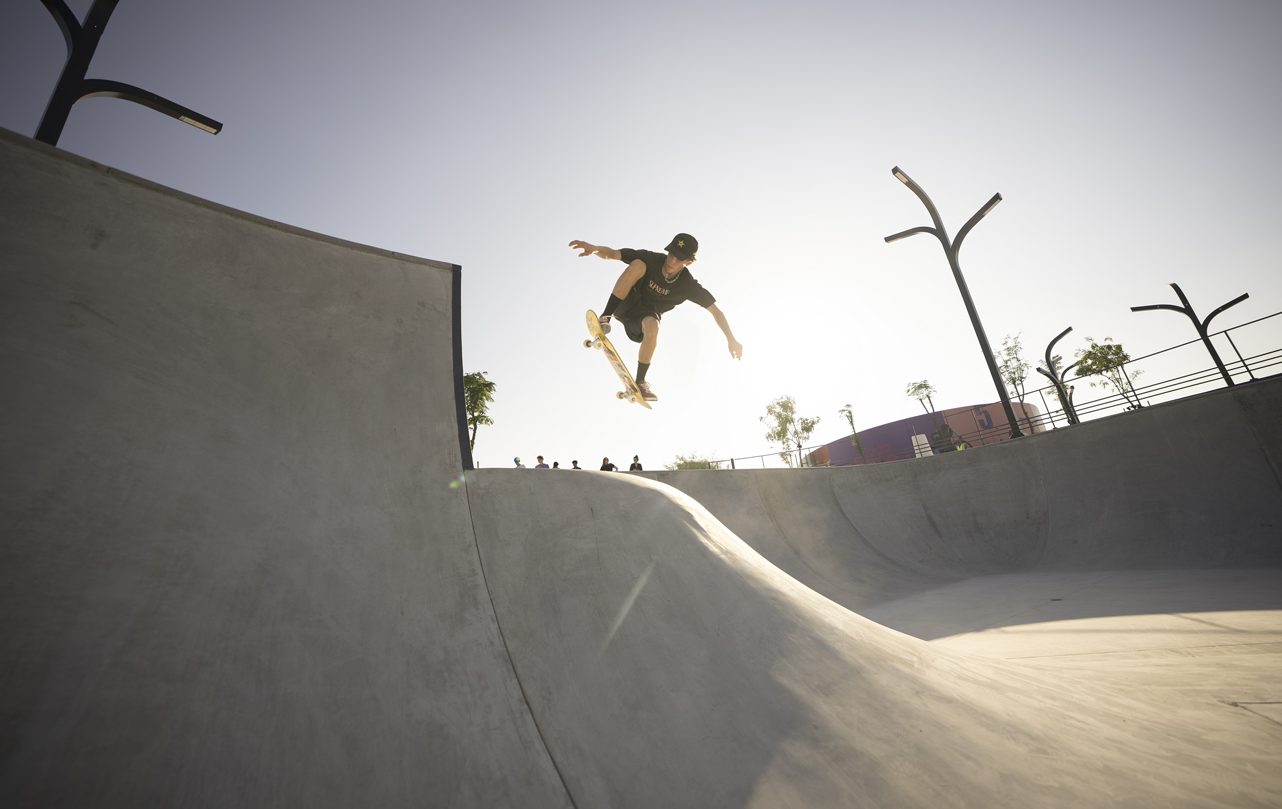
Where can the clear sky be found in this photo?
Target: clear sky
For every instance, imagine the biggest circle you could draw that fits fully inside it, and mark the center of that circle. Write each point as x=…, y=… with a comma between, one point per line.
x=1134, y=144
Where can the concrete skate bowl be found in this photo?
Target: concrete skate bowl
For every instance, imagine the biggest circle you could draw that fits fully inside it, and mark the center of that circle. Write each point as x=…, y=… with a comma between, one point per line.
x=1134, y=516
x=240, y=567
x=668, y=664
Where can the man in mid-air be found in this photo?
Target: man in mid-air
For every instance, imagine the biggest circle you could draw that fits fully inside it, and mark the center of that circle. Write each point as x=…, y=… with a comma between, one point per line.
x=654, y=283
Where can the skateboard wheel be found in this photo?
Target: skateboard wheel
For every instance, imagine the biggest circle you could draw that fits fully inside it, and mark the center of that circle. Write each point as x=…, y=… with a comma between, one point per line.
x=621, y=395
x=587, y=343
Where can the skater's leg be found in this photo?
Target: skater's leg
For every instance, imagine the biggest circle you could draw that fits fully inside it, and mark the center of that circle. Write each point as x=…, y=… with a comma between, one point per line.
x=649, y=341
x=622, y=287
x=650, y=330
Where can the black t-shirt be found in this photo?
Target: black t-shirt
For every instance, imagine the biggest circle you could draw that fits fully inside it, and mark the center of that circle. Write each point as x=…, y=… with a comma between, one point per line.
x=654, y=293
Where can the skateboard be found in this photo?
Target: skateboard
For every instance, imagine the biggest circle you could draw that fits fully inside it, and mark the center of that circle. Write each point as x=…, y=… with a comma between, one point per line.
x=630, y=392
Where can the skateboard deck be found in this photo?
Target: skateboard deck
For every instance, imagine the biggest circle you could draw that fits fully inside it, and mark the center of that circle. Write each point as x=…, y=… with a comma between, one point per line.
x=630, y=390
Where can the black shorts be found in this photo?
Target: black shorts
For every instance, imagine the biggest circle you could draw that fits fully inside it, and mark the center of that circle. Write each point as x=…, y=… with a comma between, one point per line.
x=631, y=317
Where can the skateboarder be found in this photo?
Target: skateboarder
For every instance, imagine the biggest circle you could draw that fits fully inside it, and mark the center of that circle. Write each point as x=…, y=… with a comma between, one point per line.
x=652, y=284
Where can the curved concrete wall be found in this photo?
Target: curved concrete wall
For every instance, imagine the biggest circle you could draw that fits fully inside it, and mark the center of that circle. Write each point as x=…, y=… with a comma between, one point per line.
x=1192, y=483
x=234, y=570
x=668, y=664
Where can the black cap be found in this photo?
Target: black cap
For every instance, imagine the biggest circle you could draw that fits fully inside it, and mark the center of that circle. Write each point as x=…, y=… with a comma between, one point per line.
x=683, y=246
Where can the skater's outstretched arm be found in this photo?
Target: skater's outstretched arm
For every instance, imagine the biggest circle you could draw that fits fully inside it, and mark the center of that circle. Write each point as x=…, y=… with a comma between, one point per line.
x=736, y=348
x=600, y=250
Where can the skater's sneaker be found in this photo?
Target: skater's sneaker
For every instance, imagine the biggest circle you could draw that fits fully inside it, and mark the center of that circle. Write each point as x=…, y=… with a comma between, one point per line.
x=646, y=393
x=604, y=322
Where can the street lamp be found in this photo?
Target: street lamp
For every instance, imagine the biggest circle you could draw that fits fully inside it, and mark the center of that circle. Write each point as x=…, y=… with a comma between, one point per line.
x=82, y=41
x=951, y=249
x=1057, y=377
x=1200, y=325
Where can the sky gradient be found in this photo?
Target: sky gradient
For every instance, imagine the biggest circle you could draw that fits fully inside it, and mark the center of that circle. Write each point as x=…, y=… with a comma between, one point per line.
x=1134, y=144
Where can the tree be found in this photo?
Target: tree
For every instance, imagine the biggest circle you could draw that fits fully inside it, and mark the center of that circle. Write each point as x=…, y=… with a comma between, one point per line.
x=787, y=429
x=478, y=392
x=1105, y=360
x=922, y=391
x=692, y=461
x=1014, y=370
x=849, y=415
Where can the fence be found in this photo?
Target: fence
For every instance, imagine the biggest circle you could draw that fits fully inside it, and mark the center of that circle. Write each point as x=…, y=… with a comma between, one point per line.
x=1250, y=351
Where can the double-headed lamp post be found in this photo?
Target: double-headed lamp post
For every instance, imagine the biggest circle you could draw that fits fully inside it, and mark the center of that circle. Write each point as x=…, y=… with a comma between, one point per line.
x=82, y=42
x=951, y=248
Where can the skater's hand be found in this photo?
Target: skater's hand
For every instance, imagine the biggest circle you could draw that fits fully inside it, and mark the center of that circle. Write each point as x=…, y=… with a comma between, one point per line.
x=736, y=348
x=588, y=249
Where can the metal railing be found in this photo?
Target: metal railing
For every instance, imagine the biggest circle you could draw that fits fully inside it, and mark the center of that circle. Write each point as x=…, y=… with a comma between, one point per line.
x=1172, y=384
x=1176, y=382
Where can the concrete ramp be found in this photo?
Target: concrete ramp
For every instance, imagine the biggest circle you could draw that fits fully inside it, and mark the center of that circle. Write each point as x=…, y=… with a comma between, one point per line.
x=236, y=566
x=1173, y=509
x=669, y=664
x=240, y=566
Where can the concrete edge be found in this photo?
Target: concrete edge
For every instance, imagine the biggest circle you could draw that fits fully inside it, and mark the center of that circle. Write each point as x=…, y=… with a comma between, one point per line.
x=262, y=221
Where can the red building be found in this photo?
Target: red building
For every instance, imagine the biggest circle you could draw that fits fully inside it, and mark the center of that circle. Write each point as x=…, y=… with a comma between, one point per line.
x=929, y=434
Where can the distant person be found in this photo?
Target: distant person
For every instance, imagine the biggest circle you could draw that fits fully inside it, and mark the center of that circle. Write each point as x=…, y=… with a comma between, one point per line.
x=517, y=462
x=556, y=464
x=576, y=465
x=606, y=466
x=541, y=464
x=652, y=284
x=636, y=464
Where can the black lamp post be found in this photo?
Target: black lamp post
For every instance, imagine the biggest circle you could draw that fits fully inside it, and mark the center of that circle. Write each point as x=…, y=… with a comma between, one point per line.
x=951, y=249
x=1057, y=378
x=82, y=41
x=1200, y=325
